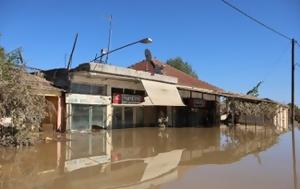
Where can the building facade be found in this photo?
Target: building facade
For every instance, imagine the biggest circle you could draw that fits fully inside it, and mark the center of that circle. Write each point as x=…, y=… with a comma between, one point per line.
x=102, y=96
x=149, y=93
x=110, y=97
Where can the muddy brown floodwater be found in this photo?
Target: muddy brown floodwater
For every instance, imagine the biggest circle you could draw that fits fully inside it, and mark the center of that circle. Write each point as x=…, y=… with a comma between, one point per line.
x=252, y=157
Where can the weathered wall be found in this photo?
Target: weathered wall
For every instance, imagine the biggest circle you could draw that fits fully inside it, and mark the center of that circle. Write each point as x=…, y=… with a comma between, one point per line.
x=51, y=118
x=99, y=79
x=281, y=118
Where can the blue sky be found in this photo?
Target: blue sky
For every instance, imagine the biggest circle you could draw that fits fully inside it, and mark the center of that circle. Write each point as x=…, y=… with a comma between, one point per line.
x=224, y=47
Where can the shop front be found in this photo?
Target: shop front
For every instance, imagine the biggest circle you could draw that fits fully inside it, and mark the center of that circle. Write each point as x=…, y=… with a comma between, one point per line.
x=110, y=97
x=137, y=108
x=86, y=112
x=126, y=110
x=201, y=110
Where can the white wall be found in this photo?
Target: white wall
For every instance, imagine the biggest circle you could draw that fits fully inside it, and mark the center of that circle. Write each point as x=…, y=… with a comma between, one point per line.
x=281, y=118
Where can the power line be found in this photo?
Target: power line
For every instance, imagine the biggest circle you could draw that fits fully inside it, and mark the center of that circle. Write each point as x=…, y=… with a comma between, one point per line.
x=272, y=67
x=257, y=21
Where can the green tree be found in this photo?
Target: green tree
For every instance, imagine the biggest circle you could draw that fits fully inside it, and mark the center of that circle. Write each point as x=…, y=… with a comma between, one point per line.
x=181, y=65
x=18, y=102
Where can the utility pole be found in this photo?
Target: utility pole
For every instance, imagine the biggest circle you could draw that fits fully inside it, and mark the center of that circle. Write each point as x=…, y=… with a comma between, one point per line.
x=293, y=115
x=293, y=86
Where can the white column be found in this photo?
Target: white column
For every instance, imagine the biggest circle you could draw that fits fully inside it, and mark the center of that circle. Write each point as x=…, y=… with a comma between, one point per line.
x=109, y=109
x=59, y=112
x=108, y=144
x=90, y=116
x=68, y=116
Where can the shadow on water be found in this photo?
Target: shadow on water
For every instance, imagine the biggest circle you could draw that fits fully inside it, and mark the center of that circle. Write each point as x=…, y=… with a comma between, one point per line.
x=295, y=176
x=134, y=158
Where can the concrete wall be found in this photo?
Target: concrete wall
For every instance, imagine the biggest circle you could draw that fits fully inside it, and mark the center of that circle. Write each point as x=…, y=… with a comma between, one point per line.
x=55, y=113
x=281, y=119
x=110, y=81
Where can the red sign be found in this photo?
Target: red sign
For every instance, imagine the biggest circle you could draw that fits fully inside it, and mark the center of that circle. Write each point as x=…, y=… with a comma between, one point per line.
x=116, y=98
x=127, y=99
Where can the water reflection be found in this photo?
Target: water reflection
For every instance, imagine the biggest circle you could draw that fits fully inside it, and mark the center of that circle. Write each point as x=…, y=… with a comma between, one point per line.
x=129, y=158
x=294, y=157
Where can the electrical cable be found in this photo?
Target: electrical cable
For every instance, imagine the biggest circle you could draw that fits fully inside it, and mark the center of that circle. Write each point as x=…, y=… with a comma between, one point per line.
x=276, y=62
x=257, y=21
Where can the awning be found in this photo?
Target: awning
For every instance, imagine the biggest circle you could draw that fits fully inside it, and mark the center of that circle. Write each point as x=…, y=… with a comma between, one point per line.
x=162, y=94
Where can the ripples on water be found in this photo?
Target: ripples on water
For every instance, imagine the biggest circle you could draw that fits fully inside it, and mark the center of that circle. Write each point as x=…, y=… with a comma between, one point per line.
x=252, y=157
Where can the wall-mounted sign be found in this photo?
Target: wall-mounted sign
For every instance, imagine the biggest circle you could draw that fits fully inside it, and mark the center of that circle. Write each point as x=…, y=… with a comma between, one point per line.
x=197, y=103
x=127, y=99
x=87, y=99
x=131, y=99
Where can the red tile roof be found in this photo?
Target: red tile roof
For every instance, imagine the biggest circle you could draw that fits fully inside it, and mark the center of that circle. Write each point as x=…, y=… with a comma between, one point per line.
x=183, y=78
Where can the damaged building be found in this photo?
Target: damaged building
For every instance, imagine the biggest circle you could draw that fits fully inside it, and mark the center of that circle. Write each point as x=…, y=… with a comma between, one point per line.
x=148, y=93
x=106, y=96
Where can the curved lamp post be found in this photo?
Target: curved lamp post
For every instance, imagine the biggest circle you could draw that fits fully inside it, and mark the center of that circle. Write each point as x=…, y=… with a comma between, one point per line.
x=144, y=41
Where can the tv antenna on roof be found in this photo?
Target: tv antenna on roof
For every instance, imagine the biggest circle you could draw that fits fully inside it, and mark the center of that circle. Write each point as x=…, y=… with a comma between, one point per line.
x=148, y=55
x=109, y=37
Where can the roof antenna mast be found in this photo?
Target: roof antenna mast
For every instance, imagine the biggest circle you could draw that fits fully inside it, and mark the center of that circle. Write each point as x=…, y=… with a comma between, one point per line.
x=109, y=37
x=71, y=55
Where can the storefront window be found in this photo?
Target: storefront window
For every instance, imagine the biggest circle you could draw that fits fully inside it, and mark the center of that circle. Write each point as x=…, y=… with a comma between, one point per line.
x=84, y=117
x=88, y=89
x=117, y=117
x=184, y=93
x=80, y=117
x=98, y=116
x=128, y=91
x=123, y=117
x=128, y=112
x=139, y=116
x=116, y=90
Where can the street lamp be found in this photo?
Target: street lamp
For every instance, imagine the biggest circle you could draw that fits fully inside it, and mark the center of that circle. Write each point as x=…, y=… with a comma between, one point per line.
x=103, y=53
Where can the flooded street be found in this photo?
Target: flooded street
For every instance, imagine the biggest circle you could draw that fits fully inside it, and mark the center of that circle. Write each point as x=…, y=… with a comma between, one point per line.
x=252, y=157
